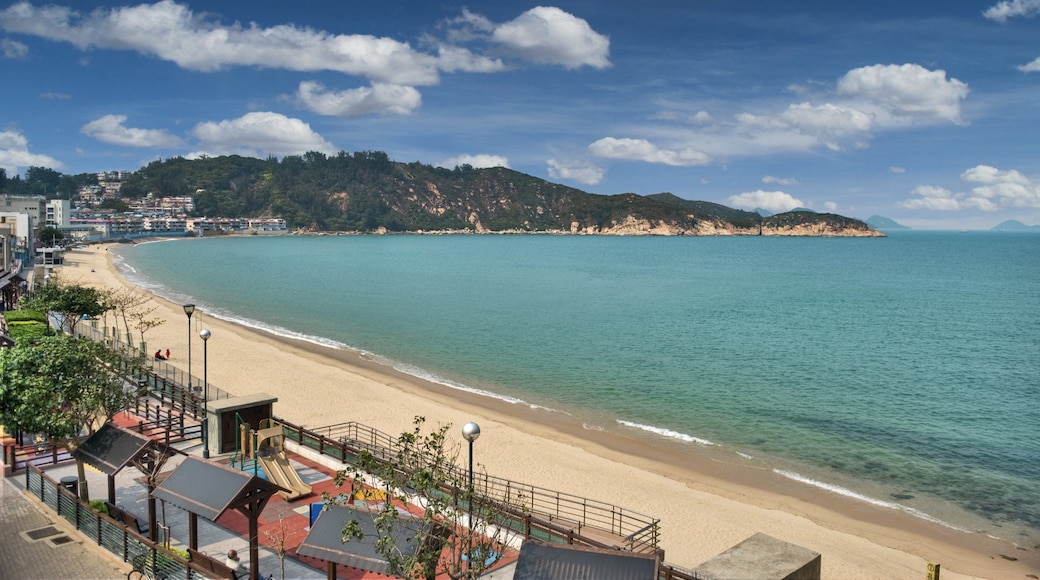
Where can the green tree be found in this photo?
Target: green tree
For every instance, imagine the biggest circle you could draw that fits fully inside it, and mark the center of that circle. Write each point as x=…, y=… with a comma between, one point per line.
x=50, y=234
x=42, y=181
x=69, y=302
x=117, y=205
x=422, y=470
x=64, y=388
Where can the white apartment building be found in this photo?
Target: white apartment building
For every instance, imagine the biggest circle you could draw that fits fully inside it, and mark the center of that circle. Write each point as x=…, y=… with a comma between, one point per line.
x=58, y=212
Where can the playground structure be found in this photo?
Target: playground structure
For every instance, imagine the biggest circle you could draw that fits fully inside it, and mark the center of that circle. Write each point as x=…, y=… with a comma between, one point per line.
x=267, y=446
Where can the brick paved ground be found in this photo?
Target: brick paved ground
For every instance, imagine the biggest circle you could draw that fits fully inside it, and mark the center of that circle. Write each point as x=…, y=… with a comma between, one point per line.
x=21, y=559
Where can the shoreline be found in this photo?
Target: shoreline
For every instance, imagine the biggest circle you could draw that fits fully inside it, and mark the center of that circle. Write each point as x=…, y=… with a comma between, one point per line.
x=706, y=504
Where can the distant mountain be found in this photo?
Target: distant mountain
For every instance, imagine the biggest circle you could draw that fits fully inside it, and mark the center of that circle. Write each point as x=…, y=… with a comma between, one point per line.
x=763, y=212
x=367, y=192
x=803, y=209
x=883, y=223
x=1014, y=226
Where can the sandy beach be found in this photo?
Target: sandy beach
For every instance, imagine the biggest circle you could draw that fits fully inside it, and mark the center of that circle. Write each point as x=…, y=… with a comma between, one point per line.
x=706, y=504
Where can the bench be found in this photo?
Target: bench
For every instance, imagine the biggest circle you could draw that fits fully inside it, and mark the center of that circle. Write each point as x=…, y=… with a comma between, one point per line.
x=211, y=566
x=128, y=519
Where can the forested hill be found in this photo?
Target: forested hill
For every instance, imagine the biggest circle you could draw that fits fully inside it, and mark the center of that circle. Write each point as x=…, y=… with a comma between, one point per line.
x=367, y=192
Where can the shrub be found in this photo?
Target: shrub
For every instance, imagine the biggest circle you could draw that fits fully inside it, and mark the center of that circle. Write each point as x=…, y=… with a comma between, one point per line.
x=25, y=316
x=99, y=506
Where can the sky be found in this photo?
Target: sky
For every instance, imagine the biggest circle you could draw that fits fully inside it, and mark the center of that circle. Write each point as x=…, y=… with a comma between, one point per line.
x=925, y=112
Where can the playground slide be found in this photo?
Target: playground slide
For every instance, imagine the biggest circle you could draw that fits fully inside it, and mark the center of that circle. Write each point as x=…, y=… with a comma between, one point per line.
x=281, y=472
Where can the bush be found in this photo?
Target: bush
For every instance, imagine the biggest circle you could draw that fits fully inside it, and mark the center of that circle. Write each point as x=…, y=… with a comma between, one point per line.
x=25, y=332
x=25, y=316
x=99, y=506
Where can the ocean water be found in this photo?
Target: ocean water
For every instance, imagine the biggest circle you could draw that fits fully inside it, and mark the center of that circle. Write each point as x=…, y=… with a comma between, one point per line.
x=902, y=371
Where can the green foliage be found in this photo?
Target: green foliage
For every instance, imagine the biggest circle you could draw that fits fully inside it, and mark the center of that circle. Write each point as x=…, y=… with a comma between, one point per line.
x=99, y=506
x=70, y=302
x=116, y=205
x=50, y=235
x=422, y=469
x=27, y=331
x=61, y=386
x=24, y=314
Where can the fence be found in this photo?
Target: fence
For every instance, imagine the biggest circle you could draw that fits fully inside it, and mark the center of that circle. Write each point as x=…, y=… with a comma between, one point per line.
x=555, y=515
x=161, y=370
x=18, y=457
x=124, y=542
x=550, y=515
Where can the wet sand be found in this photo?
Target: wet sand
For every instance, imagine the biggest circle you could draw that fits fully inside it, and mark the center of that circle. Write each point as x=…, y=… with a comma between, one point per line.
x=707, y=501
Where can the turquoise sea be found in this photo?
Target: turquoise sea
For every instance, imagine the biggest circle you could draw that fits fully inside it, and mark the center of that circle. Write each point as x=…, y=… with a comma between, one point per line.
x=902, y=371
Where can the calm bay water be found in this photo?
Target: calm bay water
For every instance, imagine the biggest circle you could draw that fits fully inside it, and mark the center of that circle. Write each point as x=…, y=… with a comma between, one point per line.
x=904, y=371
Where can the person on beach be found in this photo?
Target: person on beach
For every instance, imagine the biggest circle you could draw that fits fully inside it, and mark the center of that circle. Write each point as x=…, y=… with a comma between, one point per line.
x=167, y=354
x=159, y=356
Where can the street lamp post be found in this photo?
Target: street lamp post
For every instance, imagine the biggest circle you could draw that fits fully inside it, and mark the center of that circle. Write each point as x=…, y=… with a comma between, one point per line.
x=470, y=431
x=204, y=334
x=189, y=309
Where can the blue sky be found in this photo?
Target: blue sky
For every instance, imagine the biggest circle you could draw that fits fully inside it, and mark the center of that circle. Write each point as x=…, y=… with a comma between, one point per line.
x=926, y=112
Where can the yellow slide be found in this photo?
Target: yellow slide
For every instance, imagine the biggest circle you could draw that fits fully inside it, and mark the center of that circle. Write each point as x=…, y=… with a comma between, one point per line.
x=276, y=465
x=281, y=472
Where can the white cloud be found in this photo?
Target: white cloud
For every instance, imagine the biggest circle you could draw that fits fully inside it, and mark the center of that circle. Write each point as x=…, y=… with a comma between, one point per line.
x=1031, y=67
x=581, y=171
x=831, y=206
x=993, y=190
x=14, y=153
x=13, y=49
x=259, y=135
x=702, y=118
x=171, y=31
x=1011, y=8
x=1003, y=188
x=381, y=99
x=907, y=90
x=779, y=180
x=548, y=35
x=455, y=58
x=897, y=169
x=865, y=101
x=774, y=201
x=478, y=161
x=111, y=129
x=643, y=150
x=932, y=197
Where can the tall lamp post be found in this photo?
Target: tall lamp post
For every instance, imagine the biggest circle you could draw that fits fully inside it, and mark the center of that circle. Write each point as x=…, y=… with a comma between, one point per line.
x=189, y=309
x=204, y=334
x=470, y=431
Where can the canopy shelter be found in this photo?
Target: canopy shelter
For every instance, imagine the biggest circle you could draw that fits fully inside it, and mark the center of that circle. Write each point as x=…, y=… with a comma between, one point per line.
x=207, y=489
x=110, y=449
x=541, y=561
x=325, y=540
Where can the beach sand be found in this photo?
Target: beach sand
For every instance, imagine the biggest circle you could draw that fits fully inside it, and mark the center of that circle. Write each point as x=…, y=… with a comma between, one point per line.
x=706, y=504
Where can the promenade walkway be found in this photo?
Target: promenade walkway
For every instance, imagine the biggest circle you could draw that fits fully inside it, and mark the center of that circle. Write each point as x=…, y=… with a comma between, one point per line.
x=38, y=545
x=215, y=538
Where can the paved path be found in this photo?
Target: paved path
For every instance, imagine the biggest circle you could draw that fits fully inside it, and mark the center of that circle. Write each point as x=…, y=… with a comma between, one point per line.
x=23, y=559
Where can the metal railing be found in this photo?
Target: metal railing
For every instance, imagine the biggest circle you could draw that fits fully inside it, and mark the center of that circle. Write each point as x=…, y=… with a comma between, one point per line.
x=561, y=516
x=551, y=516
x=161, y=370
x=126, y=543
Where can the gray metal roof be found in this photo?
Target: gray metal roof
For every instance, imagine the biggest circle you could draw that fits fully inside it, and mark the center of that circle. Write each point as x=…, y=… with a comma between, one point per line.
x=209, y=489
x=111, y=448
x=540, y=561
x=325, y=540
